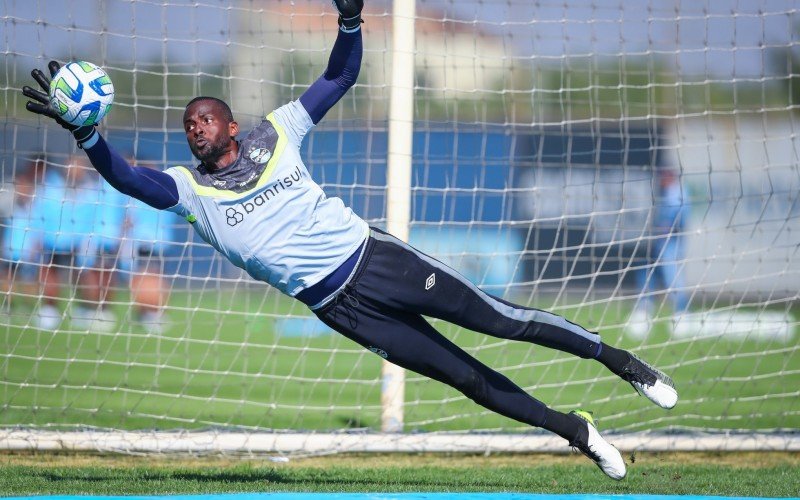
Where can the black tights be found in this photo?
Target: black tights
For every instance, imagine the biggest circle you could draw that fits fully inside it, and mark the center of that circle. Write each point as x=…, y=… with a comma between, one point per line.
x=394, y=286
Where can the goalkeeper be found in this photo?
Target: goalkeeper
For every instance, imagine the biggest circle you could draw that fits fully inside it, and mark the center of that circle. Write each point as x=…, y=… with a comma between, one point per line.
x=253, y=200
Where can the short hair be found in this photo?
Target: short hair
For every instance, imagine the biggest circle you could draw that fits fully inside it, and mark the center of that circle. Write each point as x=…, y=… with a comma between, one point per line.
x=226, y=110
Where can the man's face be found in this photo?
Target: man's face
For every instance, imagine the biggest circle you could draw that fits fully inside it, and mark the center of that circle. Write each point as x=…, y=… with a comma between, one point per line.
x=208, y=132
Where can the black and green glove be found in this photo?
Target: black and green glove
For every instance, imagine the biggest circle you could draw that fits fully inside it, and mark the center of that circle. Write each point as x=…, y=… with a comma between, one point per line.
x=349, y=14
x=42, y=104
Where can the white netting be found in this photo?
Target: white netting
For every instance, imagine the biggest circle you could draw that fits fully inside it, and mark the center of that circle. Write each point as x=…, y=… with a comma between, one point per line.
x=632, y=166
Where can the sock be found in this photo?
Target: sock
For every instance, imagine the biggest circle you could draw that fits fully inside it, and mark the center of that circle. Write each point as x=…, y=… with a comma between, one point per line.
x=614, y=359
x=562, y=424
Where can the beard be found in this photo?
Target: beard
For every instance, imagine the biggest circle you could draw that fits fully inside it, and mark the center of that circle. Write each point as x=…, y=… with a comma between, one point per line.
x=212, y=151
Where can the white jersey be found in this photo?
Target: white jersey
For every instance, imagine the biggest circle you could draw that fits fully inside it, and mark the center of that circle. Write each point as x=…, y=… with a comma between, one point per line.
x=265, y=213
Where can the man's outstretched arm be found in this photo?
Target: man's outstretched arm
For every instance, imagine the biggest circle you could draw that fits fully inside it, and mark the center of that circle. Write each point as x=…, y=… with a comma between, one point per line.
x=343, y=65
x=157, y=189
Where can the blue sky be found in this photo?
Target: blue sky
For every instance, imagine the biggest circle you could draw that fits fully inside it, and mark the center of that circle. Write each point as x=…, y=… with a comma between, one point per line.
x=718, y=38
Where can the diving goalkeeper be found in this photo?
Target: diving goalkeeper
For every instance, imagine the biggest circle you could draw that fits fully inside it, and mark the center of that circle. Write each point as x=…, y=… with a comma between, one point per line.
x=253, y=200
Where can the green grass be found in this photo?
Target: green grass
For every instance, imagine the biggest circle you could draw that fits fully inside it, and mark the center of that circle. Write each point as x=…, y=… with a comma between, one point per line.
x=221, y=363
x=731, y=474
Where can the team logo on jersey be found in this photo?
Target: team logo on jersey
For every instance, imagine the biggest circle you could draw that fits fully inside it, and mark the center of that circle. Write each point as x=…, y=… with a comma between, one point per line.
x=234, y=216
x=260, y=155
x=430, y=282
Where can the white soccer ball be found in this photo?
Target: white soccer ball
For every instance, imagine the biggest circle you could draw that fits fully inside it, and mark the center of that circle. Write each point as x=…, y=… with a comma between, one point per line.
x=81, y=93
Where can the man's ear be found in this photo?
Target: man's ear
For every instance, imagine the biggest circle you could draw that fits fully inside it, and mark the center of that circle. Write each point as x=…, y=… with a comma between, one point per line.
x=233, y=129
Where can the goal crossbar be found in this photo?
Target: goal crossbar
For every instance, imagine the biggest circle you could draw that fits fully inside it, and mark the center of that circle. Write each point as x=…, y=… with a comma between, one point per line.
x=261, y=443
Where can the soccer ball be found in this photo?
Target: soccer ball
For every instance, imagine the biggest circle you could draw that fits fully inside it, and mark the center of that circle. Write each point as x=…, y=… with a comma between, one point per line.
x=81, y=93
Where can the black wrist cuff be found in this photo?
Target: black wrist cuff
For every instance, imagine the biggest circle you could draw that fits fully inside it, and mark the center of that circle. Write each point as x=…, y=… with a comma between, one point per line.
x=351, y=24
x=83, y=134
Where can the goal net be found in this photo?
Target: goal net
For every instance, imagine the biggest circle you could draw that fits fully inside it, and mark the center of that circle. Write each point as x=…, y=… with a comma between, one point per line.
x=630, y=166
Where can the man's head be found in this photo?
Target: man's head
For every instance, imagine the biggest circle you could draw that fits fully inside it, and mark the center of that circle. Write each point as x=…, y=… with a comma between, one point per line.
x=667, y=177
x=210, y=131
x=29, y=176
x=78, y=170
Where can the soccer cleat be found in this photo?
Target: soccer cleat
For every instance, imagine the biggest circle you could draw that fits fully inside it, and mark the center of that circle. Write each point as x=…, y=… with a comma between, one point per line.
x=48, y=317
x=93, y=320
x=598, y=449
x=153, y=322
x=650, y=382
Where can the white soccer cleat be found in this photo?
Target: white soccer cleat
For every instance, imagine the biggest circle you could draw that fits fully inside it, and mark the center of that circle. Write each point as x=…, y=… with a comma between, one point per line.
x=48, y=317
x=153, y=322
x=105, y=321
x=93, y=320
x=603, y=454
x=650, y=383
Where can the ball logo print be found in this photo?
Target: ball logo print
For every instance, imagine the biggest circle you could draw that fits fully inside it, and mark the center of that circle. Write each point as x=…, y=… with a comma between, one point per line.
x=234, y=216
x=81, y=93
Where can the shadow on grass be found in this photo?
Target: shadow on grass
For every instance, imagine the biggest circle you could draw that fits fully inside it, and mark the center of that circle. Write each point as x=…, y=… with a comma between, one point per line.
x=339, y=479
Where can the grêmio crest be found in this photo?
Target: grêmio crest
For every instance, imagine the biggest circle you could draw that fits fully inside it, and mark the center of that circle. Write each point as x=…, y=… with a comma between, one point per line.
x=259, y=155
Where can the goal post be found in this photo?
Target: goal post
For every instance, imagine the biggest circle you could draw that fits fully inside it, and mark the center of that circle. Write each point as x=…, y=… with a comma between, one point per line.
x=630, y=167
x=398, y=185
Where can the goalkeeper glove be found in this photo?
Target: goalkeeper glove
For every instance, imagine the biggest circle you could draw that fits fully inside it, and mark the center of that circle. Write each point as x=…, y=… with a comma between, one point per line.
x=42, y=104
x=349, y=14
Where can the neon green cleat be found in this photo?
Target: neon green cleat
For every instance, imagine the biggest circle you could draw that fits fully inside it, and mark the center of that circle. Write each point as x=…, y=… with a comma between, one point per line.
x=598, y=449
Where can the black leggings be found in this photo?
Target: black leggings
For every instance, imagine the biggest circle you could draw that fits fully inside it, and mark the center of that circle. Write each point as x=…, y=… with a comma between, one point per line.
x=394, y=285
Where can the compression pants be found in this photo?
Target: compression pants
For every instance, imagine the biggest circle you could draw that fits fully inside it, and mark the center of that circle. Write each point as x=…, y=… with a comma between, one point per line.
x=394, y=286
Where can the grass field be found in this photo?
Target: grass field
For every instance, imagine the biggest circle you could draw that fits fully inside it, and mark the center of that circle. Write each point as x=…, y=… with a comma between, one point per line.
x=221, y=363
x=731, y=474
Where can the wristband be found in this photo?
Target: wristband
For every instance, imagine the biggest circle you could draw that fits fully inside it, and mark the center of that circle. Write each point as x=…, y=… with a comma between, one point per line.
x=86, y=137
x=350, y=24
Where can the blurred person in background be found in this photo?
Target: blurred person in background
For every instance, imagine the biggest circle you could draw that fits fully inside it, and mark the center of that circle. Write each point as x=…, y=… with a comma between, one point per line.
x=21, y=237
x=148, y=232
x=106, y=235
x=67, y=215
x=665, y=258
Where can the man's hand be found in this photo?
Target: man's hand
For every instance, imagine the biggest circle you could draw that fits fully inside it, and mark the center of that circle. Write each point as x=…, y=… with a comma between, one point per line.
x=41, y=106
x=349, y=14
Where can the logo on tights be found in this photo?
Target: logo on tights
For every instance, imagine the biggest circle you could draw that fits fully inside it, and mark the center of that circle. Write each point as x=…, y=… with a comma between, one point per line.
x=430, y=282
x=379, y=352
